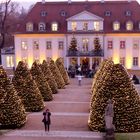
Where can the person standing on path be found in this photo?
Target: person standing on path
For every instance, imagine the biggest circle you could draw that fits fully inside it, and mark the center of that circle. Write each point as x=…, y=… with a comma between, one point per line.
x=47, y=120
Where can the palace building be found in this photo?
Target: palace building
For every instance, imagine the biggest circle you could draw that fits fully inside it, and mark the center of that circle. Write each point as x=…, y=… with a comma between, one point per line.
x=49, y=28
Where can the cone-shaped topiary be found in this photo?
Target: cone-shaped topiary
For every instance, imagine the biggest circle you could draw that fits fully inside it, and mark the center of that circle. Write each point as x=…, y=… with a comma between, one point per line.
x=49, y=77
x=60, y=65
x=57, y=75
x=119, y=87
x=101, y=93
x=127, y=101
x=41, y=82
x=12, y=111
x=27, y=88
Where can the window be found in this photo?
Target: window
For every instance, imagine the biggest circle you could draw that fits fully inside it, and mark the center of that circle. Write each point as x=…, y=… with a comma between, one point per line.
x=41, y=26
x=135, y=61
x=35, y=45
x=48, y=45
x=63, y=13
x=107, y=13
x=29, y=27
x=129, y=26
x=128, y=13
x=43, y=13
x=54, y=26
x=122, y=60
x=139, y=25
x=85, y=26
x=135, y=44
x=9, y=61
x=24, y=59
x=74, y=26
x=110, y=44
x=60, y=45
x=96, y=25
x=122, y=44
x=85, y=44
x=116, y=26
x=24, y=45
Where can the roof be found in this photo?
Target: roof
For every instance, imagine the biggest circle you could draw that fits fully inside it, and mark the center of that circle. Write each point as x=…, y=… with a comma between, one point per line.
x=53, y=9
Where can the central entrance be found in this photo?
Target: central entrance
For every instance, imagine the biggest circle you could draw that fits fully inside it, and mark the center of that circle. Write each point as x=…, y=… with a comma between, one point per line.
x=85, y=65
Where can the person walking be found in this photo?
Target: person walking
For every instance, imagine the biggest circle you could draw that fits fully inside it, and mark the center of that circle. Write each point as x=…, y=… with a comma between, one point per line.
x=46, y=119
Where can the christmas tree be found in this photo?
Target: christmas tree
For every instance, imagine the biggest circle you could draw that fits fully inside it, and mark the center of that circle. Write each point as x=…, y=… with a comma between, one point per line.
x=97, y=46
x=60, y=65
x=127, y=101
x=117, y=86
x=73, y=44
x=98, y=74
x=57, y=75
x=27, y=88
x=49, y=77
x=12, y=111
x=101, y=93
x=41, y=82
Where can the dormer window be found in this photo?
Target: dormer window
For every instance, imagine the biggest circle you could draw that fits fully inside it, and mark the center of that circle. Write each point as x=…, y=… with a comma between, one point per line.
x=129, y=25
x=41, y=26
x=128, y=13
x=29, y=27
x=54, y=26
x=116, y=26
x=96, y=25
x=43, y=13
x=63, y=13
x=107, y=13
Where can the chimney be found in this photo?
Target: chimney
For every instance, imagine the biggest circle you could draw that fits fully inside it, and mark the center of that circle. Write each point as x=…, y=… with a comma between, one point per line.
x=43, y=1
x=69, y=1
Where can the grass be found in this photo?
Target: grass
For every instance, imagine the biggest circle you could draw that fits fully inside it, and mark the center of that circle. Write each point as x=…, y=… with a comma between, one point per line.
x=127, y=136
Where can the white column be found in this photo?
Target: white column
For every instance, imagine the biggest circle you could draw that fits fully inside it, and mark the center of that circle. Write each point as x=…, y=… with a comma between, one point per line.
x=90, y=62
x=30, y=52
x=78, y=61
x=68, y=62
x=42, y=49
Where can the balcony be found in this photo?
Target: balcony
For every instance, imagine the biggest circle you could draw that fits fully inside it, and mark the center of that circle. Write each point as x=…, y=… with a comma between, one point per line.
x=92, y=53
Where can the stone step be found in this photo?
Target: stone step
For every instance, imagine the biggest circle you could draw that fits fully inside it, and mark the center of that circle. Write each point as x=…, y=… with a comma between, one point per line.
x=56, y=134
x=77, y=107
x=59, y=121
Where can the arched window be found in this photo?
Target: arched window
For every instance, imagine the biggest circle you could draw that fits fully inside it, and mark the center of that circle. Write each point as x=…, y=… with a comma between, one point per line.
x=41, y=26
x=29, y=27
x=129, y=25
x=116, y=25
x=54, y=26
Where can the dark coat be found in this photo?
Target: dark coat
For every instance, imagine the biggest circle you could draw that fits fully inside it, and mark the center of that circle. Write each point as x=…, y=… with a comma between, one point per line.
x=47, y=119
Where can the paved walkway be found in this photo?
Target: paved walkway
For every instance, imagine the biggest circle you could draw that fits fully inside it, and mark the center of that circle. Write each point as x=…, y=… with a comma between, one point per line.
x=70, y=110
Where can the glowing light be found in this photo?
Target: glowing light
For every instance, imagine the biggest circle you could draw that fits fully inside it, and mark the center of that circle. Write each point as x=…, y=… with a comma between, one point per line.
x=54, y=57
x=30, y=62
x=128, y=62
x=116, y=59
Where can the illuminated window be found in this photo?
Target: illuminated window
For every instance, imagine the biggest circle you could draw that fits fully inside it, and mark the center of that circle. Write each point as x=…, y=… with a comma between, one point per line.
x=85, y=44
x=129, y=25
x=54, y=26
x=74, y=26
x=116, y=26
x=24, y=45
x=9, y=61
x=110, y=44
x=24, y=59
x=60, y=45
x=42, y=26
x=48, y=45
x=122, y=60
x=29, y=27
x=85, y=26
x=122, y=44
x=35, y=45
x=135, y=44
x=96, y=25
x=135, y=61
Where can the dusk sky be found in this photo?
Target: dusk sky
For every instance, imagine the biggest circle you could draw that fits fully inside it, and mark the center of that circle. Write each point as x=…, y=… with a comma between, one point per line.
x=27, y=3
